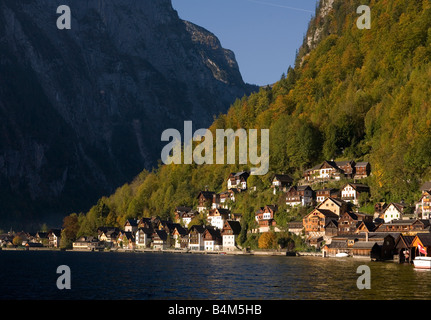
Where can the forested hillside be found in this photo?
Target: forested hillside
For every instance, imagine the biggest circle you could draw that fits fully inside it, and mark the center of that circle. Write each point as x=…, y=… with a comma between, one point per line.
x=362, y=95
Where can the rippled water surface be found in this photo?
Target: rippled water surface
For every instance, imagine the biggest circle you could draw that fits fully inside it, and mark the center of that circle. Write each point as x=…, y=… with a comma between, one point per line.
x=119, y=276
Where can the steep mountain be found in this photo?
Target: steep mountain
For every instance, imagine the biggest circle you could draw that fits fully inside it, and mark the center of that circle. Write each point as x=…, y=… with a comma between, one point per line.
x=82, y=110
x=354, y=94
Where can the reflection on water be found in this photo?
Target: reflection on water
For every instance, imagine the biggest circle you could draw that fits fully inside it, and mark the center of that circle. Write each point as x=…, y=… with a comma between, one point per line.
x=25, y=275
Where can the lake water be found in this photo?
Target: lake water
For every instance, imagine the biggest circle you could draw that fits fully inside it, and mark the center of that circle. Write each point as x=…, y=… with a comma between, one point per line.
x=170, y=276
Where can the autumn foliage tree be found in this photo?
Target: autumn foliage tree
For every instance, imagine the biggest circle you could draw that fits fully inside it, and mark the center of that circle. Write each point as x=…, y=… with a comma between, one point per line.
x=268, y=240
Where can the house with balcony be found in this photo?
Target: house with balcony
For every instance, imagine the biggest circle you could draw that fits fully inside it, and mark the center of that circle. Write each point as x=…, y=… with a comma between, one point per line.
x=299, y=196
x=265, y=218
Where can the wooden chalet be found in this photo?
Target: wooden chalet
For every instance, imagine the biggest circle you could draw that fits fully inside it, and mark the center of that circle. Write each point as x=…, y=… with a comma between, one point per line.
x=322, y=194
x=143, y=237
x=265, y=218
x=281, y=182
x=196, y=241
x=160, y=239
x=337, y=206
x=316, y=221
x=362, y=170
x=350, y=221
x=180, y=237
x=347, y=168
x=230, y=231
x=299, y=196
x=205, y=200
x=408, y=227
x=212, y=239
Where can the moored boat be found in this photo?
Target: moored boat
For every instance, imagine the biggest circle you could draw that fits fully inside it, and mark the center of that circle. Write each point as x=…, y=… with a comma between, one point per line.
x=341, y=255
x=422, y=262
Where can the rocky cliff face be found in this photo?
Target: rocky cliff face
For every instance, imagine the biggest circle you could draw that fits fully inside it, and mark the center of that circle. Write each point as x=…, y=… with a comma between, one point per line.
x=82, y=110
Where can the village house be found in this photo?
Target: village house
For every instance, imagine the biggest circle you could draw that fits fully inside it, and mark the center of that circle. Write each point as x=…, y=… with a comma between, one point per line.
x=230, y=231
x=265, y=218
x=407, y=227
x=238, y=180
x=217, y=217
x=367, y=227
x=337, y=206
x=335, y=170
x=362, y=170
x=205, y=200
x=160, y=240
x=212, y=239
x=108, y=235
x=393, y=211
x=322, y=194
x=143, y=237
x=423, y=206
x=180, y=236
x=180, y=211
x=185, y=217
x=351, y=192
x=54, y=237
x=227, y=197
x=350, y=221
x=126, y=240
x=131, y=225
x=299, y=196
x=347, y=168
x=323, y=172
x=281, y=182
x=379, y=207
x=196, y=241
x=315, y=224
x=86, y=244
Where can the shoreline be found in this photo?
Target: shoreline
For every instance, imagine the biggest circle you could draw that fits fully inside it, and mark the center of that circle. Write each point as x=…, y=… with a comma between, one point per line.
x=179, y=251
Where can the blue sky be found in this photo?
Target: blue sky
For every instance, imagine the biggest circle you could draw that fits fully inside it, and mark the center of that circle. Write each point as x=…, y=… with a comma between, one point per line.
x=263, y=34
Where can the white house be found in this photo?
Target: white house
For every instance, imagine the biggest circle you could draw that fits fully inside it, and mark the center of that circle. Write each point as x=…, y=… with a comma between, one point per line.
x=212, y=239
x=238, y=180
x=143, y=238
x=394, y=211
x=351, y=191
x=230, y=232
x=217, y=217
